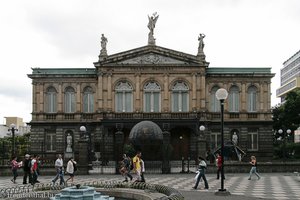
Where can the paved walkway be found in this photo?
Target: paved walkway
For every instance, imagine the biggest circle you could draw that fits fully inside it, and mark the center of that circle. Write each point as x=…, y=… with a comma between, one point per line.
x=270, y=186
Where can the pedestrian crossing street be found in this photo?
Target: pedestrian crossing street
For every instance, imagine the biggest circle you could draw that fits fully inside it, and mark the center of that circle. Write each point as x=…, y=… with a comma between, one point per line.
x=270, y=186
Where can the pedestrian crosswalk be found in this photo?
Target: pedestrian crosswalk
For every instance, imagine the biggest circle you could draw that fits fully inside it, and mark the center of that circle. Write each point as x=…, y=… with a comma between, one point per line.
x=270, y=186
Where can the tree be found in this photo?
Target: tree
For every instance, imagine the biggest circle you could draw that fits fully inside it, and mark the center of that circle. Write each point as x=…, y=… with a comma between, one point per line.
x=287, y=115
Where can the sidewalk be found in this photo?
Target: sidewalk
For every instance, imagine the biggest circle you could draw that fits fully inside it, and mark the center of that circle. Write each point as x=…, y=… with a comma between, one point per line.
x=270, y=186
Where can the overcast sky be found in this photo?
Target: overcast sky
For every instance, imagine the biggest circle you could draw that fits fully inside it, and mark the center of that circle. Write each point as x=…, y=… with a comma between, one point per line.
x=66, y=33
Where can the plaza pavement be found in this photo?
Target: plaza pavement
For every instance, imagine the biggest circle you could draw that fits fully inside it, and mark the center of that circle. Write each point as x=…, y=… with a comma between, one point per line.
x=270, y=186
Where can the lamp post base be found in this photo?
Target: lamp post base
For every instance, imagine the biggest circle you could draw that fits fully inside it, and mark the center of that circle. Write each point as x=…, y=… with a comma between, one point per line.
x=222, y=192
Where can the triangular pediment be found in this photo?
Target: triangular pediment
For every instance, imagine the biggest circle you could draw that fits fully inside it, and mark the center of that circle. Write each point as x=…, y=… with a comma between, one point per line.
x=151, y=55
x=151, y=58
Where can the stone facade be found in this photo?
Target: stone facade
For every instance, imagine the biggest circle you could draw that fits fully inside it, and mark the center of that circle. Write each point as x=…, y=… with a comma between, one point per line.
x=173, y=89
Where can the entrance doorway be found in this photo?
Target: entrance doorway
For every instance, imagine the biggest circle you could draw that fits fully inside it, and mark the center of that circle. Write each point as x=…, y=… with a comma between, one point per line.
x=180, y=141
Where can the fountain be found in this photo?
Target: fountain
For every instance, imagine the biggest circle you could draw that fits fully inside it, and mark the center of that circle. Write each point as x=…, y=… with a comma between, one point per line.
x=80, y=193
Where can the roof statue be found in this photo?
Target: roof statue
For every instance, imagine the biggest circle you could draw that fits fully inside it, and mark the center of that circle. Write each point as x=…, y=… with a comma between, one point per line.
x=103, y=52
x=201, y=45
x=151, y=26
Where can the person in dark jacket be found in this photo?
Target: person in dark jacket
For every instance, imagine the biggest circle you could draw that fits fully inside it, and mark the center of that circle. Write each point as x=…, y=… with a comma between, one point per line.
x=26, y=169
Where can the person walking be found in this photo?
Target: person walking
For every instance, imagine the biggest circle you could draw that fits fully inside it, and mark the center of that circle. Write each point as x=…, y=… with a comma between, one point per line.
x=137, y=165
x=39, y=164
x=142, y=171
x=26, y=169
x=253, y=169
x=201, y=169
x=33, y=170
x=219, y=166
x=71, y=168
x=14, y=168
x=59, y=166
x=125, y=168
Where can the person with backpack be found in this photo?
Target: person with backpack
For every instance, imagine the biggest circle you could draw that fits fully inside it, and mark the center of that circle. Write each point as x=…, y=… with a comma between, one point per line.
x=126, y=167
x=71, y=169
x=201, y=169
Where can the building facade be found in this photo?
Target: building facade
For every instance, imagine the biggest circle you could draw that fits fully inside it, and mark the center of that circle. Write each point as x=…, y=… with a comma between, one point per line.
x=289, y=76
x=173, y=90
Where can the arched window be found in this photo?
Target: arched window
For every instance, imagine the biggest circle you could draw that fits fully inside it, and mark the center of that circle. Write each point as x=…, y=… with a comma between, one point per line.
x=123, y=97
x=51, y=100
x=214, y=102
x=70, y=102
x=152, y=97
x=252, y=99
x=180, y=97
x=88, y=100
x=234, y=99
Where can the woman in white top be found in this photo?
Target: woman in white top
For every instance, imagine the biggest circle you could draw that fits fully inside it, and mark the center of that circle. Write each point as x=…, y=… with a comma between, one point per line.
x=71, y=168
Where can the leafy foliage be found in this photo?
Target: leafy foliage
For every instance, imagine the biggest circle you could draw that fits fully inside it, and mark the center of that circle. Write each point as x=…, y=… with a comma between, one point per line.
x=21, y=146
x=287, y=115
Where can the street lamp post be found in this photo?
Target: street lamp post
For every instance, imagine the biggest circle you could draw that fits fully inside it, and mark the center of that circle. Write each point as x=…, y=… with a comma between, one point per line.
x=221, y=95
x=13, y=129
x=201, y=144
x=284, y=136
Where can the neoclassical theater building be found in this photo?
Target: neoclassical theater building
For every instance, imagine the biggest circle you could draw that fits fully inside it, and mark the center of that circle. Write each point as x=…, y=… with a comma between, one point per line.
x=153, y=98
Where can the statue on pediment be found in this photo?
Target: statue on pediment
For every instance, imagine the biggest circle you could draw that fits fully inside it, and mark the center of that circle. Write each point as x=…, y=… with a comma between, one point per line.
x=151, y=26
x=103, y=41
x=201, y=43
x=103, y=52
x=201, y=54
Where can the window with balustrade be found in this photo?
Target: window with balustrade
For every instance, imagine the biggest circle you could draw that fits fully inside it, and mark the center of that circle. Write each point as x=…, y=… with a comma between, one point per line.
x=51, y=100
x=124, y=97
x=180, y=97
x=214, y=102
x=252, y=99
x=88, y=100
x=70, y=100
x=152, y=97
x=234, y=99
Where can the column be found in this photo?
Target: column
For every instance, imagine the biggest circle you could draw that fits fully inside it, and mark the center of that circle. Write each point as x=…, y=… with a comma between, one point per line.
x=60, y=100
x=41, y=98
x=243, y=97
x=137, y=92
x=119, y=139
x=100, y=91
x=109, y=92
x=268, y=94
x=83, y=156
x=78, y=98
x=34, y=97
x=166, y=168
x=261, y=96
x=194, y=91
x=166, y=101
x=203, y=90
